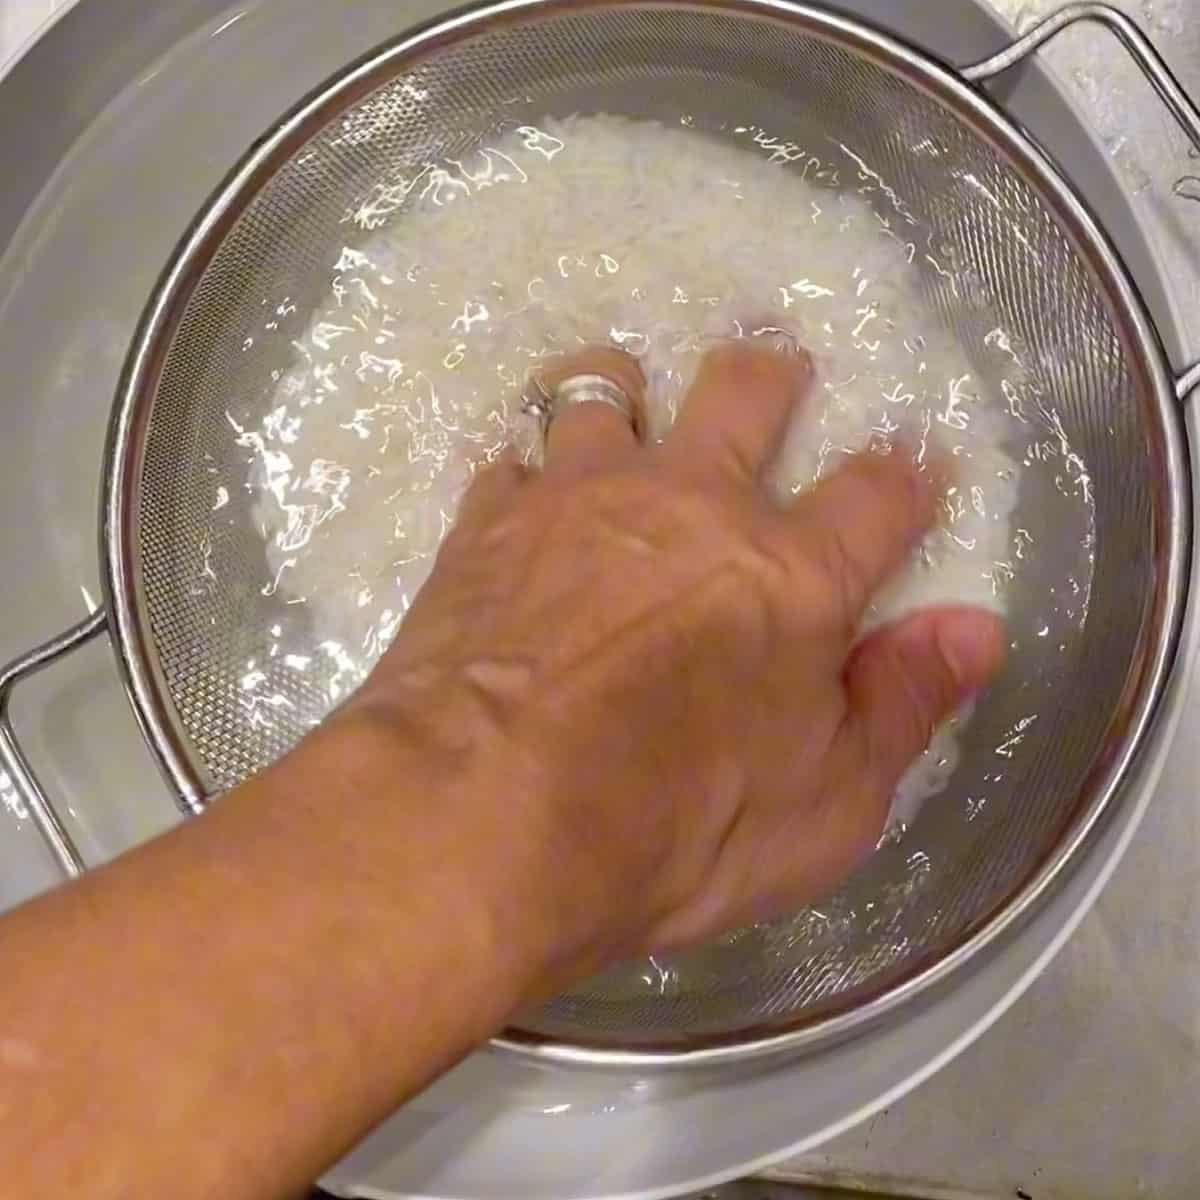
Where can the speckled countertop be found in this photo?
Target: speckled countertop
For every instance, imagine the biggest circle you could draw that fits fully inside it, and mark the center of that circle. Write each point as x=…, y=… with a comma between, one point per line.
x=1088, y=1088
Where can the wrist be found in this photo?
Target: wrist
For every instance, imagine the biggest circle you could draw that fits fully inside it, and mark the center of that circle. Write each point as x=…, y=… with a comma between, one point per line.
x=441, y=834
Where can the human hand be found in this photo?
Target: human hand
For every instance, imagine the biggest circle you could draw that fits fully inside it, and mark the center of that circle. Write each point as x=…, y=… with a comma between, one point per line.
x=644, y=672
x=627, y=712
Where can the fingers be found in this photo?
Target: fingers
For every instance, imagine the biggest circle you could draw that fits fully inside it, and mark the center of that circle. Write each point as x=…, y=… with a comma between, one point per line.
x=735, y=416
x=862, y=523
x=583, y=435
x=903, y=681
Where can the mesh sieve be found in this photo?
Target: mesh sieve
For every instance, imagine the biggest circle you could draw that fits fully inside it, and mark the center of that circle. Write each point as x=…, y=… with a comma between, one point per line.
x=1014, y=249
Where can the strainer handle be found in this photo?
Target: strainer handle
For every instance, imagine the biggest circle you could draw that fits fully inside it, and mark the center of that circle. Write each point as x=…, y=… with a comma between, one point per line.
x=12, y=758
x=1141, y=49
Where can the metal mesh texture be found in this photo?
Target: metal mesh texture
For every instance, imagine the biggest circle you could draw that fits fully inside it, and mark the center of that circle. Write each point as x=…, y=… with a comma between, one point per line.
x=1003, y=260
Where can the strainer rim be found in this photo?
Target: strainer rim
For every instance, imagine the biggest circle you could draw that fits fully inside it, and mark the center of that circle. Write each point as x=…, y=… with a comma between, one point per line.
x=124, y=455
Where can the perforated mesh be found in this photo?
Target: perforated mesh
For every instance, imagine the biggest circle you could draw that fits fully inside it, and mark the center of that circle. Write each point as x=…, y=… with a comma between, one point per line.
x=998, y=258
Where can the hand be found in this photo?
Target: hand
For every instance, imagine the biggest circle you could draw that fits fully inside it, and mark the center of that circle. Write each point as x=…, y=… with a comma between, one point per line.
x=626, y=712
x=648, y=669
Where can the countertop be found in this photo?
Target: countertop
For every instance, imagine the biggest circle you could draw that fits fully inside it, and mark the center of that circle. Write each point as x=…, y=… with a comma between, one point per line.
x=20, y=19
x=1089, y=1086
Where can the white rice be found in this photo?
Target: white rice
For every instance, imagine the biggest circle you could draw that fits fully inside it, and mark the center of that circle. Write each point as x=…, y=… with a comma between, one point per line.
x=602, y=229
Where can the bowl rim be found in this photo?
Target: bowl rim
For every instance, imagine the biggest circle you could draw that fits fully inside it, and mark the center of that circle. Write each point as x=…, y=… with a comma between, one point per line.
x=124, y=455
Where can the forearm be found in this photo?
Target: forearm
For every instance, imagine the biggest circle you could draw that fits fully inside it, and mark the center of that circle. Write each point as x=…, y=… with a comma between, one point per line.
x=229, y=1009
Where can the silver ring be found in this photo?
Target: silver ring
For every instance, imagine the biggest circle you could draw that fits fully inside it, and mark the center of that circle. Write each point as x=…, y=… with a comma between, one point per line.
x=549, y=404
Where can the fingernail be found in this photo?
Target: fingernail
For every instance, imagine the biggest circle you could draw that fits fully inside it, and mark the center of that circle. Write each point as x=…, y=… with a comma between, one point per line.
x=787, y=346
x=779, y=340
x=972, y=643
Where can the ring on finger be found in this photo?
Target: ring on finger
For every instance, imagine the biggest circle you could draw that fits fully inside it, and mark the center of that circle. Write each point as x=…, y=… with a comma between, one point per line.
x=548, y=404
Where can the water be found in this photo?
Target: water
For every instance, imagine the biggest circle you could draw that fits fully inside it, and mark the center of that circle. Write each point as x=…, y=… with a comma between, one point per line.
x=410, y=377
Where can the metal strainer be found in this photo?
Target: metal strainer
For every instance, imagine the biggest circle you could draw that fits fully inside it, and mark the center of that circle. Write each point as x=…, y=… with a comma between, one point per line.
x=1026, y=257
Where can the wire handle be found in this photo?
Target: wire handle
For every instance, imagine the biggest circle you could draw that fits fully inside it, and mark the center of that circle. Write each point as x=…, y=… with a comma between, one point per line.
x=12, y=758
x=1149, y=61
x=1140, y=48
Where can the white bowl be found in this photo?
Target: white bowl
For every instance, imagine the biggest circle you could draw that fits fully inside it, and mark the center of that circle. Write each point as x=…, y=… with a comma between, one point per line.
x=123, y=118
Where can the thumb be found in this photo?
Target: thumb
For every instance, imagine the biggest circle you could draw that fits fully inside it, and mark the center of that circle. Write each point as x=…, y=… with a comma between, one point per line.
x=904, y=680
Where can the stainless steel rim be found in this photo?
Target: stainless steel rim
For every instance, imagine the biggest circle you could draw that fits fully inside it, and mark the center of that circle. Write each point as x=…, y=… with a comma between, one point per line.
x=131, y=416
